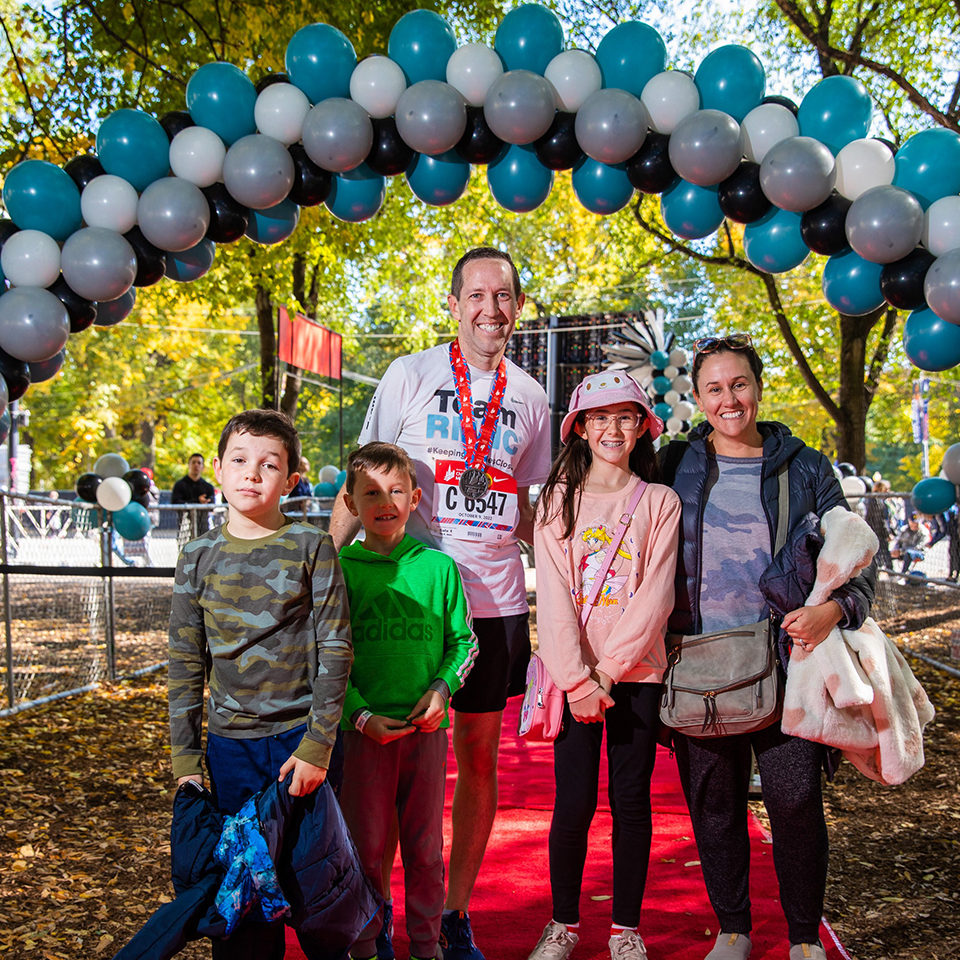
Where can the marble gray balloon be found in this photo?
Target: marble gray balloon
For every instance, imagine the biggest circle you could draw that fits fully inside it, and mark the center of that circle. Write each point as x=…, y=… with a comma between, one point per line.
x=258, y=171
x=99, y=264
x=34, y=324
x=884, y=224
x=520, y=106
x=431, y=117
x=798, y=174
x=173, y=215
x=706, y=147
x=337, y=134
x=611, y=125
x=941, y=287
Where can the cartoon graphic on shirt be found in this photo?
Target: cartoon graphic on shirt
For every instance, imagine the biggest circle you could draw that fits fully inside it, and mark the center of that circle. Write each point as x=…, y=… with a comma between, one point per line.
x=597, y=539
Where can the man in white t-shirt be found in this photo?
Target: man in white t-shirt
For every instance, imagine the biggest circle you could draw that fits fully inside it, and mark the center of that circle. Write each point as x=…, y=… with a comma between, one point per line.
x=475, y=473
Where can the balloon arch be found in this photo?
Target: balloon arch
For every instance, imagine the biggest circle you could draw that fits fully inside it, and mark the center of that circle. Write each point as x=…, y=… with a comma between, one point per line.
x=242, y=160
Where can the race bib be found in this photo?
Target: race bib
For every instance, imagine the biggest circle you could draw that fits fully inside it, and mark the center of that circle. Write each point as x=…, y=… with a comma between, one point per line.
x=490, y=518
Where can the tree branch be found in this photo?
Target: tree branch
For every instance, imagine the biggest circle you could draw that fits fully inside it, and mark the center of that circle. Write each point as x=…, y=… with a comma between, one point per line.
x=881, y=353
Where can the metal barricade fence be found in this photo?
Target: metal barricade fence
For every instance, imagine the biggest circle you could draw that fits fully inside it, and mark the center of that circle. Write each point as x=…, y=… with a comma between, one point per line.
x=80, y=603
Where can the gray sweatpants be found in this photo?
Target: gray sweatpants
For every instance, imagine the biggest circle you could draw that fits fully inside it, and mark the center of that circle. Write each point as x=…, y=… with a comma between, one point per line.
x=407, y=775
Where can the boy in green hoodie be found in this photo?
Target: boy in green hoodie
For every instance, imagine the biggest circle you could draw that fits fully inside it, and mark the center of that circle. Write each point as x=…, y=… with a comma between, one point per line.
x=413, y=648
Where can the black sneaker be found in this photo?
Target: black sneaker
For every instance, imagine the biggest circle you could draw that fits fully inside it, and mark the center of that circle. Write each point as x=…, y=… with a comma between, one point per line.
x=456, y=938
x=385, y=949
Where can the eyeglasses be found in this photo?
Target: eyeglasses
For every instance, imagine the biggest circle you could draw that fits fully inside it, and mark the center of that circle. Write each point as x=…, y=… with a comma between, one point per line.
x=733, y=341
x=625, y=421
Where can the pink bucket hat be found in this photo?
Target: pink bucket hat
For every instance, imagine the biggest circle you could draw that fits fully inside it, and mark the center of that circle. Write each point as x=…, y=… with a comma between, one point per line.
x=606, y=389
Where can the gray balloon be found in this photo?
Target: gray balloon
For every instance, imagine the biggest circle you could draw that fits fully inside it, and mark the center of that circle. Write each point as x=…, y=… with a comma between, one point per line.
x=34, y=324
x=884, y=224
x=611, y=125
x=99, y=264
x=337, y=134
x=520, y=106
x=706, y=147
x=172, y=214
x=798, y=174
x=941, y=287
x=431, y=117
x=950, y=465
x=258, y=171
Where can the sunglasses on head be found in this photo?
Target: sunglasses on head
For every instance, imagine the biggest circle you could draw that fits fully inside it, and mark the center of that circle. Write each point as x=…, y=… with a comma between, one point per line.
x=733, y=341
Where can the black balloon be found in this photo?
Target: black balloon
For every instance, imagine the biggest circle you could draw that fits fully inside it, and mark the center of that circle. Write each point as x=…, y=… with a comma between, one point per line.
x=7, y=229
x=270, y=79
x=16, y=373
x=649, y=169
x=740, y=195
x=847, y=469
x=139, y=482
x=558, y=148
x=824, y=228
x=143, y=499
x=311, y=184
x=84, y=168
x=151, y=261
x=889, y=144
x=389, y=154
x=175, y=121
x=111, y=312
x=46, y=369
x=86, y=486
x=82, y=312
x=783, y=102
x=479, y=144
x=228, y=219
x=901, y=282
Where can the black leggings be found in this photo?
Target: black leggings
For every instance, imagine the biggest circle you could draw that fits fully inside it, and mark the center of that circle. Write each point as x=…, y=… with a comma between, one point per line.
x=631, y=749
x=715, y=774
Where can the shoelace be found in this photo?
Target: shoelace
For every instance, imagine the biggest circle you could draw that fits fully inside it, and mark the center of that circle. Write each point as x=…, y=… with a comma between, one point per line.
x=627, y=943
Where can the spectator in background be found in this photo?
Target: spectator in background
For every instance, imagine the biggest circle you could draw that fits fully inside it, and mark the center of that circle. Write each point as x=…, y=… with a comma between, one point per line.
x=303, y=487
x=907, y=546
x=881, y=522
x=944, y=525
x=193, y=489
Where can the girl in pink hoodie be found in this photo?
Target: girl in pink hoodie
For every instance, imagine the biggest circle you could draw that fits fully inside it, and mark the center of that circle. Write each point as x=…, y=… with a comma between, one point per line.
x=611, y=671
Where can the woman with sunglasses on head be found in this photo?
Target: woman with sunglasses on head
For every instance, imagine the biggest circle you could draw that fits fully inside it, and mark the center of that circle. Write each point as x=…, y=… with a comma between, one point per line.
x=728, y=477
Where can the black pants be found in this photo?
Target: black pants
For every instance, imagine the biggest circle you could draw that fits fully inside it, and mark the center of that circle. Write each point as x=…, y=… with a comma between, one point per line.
x=715, y=774
x=631, y=750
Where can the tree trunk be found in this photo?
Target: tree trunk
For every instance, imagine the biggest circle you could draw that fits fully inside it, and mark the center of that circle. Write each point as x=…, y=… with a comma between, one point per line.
x=268, y=349
x=148, y=437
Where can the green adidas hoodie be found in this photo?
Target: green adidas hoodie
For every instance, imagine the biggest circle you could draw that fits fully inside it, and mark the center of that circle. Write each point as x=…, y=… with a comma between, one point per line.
x=410, y=627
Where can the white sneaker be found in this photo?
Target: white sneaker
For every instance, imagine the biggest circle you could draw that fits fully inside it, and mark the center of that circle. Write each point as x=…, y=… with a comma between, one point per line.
x=627, y=946
x=556, y=943
x=731, y=946
x=808, y=951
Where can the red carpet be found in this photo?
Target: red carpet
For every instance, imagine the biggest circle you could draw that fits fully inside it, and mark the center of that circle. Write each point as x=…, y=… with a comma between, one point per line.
x=511, y=902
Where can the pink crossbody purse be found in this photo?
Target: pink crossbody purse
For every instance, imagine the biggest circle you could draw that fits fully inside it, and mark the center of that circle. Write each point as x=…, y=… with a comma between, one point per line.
x=541, y=714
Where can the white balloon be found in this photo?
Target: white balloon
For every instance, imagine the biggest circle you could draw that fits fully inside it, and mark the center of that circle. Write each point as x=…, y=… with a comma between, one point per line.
x=113, y=493
x=764, y=127
x=111, y=465
x=674, y=425
x=280, y=111
x=575, y=74
x=672, y=397
x=682, y=383
x=862, y=165
x=669, y=97
x=30, y=258
x=684, y=409
x=670, y=371
x=329, y=474
x=941, y=226
x=472, y=69
x=678, y=357
x=853, y=486
x=196, y=155
x=376, y=84
x=110, y=202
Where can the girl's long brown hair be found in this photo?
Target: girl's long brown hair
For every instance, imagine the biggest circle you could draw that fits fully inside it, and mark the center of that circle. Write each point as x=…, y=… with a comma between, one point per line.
x=569, y=473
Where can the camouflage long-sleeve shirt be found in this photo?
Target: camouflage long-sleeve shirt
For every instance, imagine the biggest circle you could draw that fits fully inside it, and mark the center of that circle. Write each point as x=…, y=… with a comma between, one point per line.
x=268, y=621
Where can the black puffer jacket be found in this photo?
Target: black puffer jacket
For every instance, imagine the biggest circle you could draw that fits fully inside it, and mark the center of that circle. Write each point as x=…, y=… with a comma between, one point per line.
x=813, y=489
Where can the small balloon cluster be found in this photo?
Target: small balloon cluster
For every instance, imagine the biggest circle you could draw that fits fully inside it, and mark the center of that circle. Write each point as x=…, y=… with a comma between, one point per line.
x=935, y=495
x=243, y=159
x=331, y=480
x=651, y=358
x=121, y=491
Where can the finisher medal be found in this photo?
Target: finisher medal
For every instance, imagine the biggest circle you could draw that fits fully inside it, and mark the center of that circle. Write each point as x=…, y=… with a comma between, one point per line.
x=474, y=483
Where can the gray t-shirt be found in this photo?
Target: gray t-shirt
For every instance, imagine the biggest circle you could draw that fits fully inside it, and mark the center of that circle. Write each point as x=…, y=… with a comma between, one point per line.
x=736, y=544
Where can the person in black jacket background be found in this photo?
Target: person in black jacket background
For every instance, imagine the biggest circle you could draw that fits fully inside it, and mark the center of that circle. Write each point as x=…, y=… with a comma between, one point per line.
x=727, y=478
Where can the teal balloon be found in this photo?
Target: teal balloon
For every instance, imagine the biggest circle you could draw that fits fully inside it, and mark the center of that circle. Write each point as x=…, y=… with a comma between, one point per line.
x=631, y=54
x=928, y=165
x=325, y=490
x=600, y=187
x=660, y=359
x=341, y=479
x=421, y=43
x=836, y=111
x=356, y=195
x=221, y=97
x=132, y=522
x=518, y=180
x=731, y=79
x=273, y=224
x=661, y=384
x=664, y=411
x=852, y=284
x=320, y=60
x=934, y=495
x=131, y=144
x=188, y=265
x=528, y=38
x=691, y=211
x=931, y=344
x=438, y=181
x=40, y=196
x=773, y=243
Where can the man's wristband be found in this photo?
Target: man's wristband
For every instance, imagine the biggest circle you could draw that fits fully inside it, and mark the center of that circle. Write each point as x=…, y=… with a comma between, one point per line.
x=361, y=720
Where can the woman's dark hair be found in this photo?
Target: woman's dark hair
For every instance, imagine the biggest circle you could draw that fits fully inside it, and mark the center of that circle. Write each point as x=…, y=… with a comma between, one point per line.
x=748, y=353
x=569, y=473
